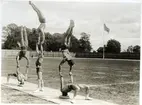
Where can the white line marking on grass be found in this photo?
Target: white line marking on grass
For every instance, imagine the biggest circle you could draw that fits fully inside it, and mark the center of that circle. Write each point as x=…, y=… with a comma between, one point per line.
x=123, y=75
x=123, y=83
x=91, y=58
x=99, y=77
x=99, y=72
x=102, y=67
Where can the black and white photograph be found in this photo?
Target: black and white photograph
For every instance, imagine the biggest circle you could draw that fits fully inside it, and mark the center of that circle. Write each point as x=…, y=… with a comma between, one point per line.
x=70, y=52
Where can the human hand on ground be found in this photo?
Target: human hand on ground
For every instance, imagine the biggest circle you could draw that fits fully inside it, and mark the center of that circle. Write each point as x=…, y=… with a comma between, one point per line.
x=72, y=101
x=88, y=98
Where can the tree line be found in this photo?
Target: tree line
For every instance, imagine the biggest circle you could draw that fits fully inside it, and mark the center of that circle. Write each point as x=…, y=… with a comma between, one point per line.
x=53, y=42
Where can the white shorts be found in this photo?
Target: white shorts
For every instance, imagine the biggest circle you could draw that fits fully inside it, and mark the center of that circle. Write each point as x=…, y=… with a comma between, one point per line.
x=67, y=55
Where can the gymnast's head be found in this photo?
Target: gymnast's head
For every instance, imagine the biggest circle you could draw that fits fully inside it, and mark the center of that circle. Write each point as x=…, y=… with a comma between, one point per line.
x=23, y=48
x=63, y=47
x=35, y=31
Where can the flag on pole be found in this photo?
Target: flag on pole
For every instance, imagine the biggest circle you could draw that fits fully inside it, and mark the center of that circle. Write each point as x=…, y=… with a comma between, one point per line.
x=106, y=28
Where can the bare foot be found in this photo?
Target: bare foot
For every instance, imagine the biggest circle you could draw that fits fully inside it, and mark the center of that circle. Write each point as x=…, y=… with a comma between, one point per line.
x=30, y=2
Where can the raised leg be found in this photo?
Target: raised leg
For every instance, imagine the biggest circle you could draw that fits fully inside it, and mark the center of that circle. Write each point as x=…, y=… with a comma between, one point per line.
x=22, y=38
x=40, y=15
x=37, y=49
x=69, y=34
x=25, y=37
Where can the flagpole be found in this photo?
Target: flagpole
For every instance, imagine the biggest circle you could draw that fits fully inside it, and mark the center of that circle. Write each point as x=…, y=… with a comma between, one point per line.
x=103, y=44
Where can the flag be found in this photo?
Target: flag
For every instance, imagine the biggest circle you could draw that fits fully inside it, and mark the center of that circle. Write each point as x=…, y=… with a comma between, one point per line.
x=106, y=28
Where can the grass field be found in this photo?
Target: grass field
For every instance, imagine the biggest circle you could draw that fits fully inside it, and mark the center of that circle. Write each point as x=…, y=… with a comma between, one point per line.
x=115, y=81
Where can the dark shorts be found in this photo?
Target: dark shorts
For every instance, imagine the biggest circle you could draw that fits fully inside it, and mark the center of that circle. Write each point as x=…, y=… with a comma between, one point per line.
x=70, y=62
x=39, y=70
x=64, y=94
x=22, y=54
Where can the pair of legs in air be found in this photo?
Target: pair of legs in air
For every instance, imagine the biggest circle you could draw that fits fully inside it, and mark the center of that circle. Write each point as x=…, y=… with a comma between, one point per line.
x=40, y=30
x=66, y=54
x=68, y=34
x=22, y=54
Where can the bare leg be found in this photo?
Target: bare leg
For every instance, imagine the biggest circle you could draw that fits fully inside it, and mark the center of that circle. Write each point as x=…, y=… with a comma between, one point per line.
x=22, y=38
x=60, y=74
x=69, y=42
x=69, y=33
x=61, y=82
x=70, y=74
x=42, y=85
x=40, y=15
x=18, y=70
x=40, y=82
x=42, y=42
x=25, y=38
x=37, y=50
x=26, y=74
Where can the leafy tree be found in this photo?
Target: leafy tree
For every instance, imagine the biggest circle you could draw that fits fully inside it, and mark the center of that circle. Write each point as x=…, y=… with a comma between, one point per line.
x=32, y=38
x=130, y=49
x=52, y=42
x=10, y=43
x=84, y=41
x=74, y=44
x=100, y=50
x=48, y=42
x=136, y=49
x=11, y=34
x=113, y=46
x=94, y=51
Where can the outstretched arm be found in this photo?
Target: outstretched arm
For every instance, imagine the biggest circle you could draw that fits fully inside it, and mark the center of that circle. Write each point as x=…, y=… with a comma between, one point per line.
x=27, y=67
x=76, y=89
x=61, y=82
x=9, y=75
x=17, y=60
x=74, y=94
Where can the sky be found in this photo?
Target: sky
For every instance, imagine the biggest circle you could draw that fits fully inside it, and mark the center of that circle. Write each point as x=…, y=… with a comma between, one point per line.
x=123, y=19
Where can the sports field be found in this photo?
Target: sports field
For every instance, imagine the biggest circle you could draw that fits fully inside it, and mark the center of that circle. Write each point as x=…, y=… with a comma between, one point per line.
x=115, y=81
